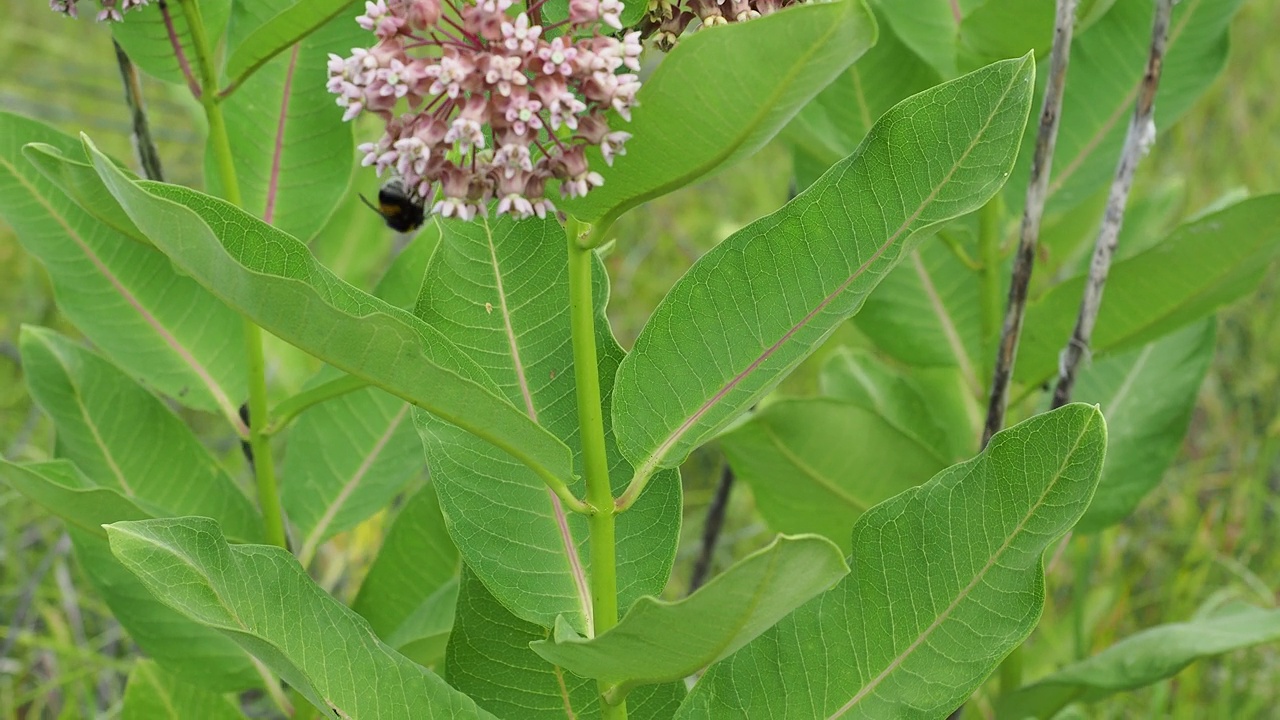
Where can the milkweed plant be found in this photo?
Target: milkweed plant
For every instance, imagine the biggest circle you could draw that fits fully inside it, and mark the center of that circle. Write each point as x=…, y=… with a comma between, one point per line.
x=451, y=493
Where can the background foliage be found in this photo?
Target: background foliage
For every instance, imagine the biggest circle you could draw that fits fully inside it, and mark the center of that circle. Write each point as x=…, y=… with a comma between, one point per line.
x=1204, y=537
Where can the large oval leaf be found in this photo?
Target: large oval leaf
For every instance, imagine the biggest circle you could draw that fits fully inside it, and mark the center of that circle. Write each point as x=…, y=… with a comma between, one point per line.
x=500, y=290
x=755, y=306
x=947, y=579
x=146, y=38
x=260, y=597
x=157, y=325
x=272, y=278
x=721, y=95
x=154, y=694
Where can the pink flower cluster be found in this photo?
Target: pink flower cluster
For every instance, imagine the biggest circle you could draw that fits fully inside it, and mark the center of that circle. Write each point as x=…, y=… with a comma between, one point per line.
x=666, y=20
x=110, y=12
x=499, y=103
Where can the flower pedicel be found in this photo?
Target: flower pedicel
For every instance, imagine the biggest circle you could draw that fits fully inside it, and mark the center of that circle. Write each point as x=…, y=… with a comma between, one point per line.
x=498, y=108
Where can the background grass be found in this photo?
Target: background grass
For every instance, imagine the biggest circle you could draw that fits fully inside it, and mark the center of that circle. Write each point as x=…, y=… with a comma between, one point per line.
x=1209, y=533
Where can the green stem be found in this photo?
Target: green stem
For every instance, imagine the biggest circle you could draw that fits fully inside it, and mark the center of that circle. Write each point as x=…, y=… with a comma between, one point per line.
x=604, y=571
x=990, y=218
x=292, y=407
x=220, y=144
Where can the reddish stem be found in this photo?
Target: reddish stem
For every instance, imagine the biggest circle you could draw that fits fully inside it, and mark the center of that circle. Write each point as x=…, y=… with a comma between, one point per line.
x=177, y=50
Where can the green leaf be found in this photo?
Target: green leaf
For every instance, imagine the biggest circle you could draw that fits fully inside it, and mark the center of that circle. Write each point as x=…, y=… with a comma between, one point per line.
x=153, y=694
x=661, y=641
x=1107, y=64
x=61, y=488
x=916, y=404
x=195, y=653
x=126, y=439
x=815, y=465
x=260, y=597
x=345, y=460
x=272, y=28
x=145, y=38
x=500, y=290
x=273, y=279
x=1142, y=659
x=755, y=306
x=191, y=651
x=79, y=181
x=1202, y=266
x=125, y=297
x=1004, y=28
x=1147, y=397
x=930, y=28
x=721, y=95
x=401, y=595
x=293, y=153
x=490, y=660
x=947, y=579
x=927, y=313
x=833, y=123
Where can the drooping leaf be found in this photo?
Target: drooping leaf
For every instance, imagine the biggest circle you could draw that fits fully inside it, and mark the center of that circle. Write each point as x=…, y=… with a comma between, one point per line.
x=1203, y=265
x=721, y=95
x=261, y=598
x=817, y=464
x=293, y=153
x=1107, y=64
x=77, y=179
x=1142, y=659
x=401, y=595
x=500, y=290
x=1147, y=396
x=193, y=652
x=490, y=660
x=273, y=279
x=124, y=438
x=59, y=487
x=947, y=579
x=258, y=34
x=755, y=306
x=157, y=325
x=153, y=694
x=146, y=38
x=661, y=641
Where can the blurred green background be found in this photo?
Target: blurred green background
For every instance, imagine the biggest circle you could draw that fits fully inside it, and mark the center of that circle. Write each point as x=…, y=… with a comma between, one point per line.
x=1209, y=533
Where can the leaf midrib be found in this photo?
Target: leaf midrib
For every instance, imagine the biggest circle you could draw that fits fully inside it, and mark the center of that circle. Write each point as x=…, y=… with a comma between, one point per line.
x=978, y=577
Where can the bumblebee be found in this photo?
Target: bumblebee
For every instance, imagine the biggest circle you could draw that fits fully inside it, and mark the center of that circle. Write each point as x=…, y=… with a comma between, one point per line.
x=402, y=210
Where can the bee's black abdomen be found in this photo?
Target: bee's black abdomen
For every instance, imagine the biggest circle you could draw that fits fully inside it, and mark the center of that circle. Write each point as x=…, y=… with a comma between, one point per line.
x=402, y=211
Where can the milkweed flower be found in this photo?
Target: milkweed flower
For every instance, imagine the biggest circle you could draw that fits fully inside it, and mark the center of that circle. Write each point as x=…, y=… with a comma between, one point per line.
x=498, y=103
x=109, y=10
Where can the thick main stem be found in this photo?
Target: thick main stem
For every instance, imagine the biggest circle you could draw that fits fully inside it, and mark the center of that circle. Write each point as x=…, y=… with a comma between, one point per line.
x=604, y=562
x=220, y=144
x=1142, y=130
x=1033, y=210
